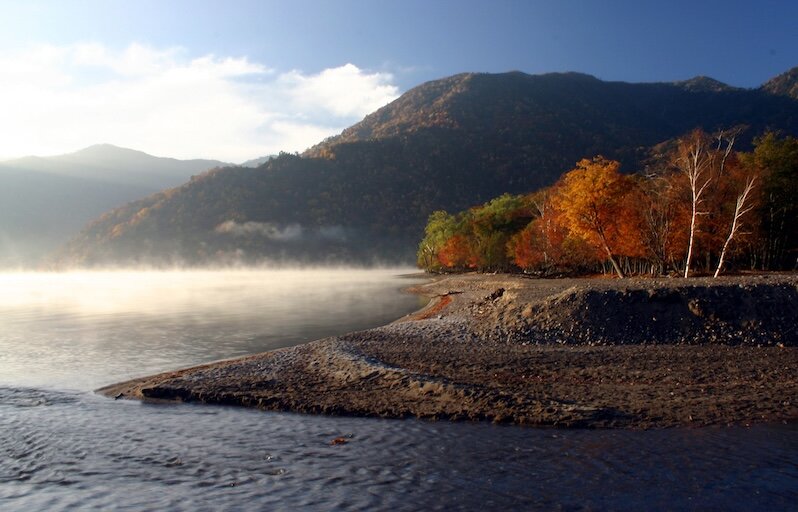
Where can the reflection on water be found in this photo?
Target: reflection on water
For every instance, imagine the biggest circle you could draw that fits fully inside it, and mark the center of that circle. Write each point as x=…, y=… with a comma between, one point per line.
x=83, y=330
x=72, y=450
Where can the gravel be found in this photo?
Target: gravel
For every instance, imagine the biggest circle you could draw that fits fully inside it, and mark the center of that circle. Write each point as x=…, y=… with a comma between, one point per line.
x=595, y=353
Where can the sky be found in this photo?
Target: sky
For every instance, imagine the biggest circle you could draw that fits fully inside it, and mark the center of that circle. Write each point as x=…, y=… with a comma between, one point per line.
x=239, y=79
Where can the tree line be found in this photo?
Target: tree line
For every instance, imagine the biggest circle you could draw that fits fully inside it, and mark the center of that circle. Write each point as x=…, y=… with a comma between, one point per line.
x=698, y=207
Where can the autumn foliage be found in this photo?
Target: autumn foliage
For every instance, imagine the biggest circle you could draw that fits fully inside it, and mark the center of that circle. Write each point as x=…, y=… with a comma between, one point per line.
x=700, y=207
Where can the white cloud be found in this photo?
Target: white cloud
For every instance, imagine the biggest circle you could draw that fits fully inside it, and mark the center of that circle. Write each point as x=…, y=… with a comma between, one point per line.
x=59, y=99
x=344, y=91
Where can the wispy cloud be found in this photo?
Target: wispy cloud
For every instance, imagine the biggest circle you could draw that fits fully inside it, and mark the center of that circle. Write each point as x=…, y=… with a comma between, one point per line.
x=260, y=229
x=291, y=232
x=56, y=99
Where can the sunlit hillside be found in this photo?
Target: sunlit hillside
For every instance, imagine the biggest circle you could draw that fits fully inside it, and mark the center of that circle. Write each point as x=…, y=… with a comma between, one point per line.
x=448, y=144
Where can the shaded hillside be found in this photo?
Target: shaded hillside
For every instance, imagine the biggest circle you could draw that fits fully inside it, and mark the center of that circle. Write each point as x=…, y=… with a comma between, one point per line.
x=44, y=201
x=447, y=144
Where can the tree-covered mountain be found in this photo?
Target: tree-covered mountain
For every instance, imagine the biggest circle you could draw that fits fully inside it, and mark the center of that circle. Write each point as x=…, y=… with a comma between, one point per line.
x=448, y=144
x=46, y=200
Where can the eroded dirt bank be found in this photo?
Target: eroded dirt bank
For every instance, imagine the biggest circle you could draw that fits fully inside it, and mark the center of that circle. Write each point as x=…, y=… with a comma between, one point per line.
x=571, y=353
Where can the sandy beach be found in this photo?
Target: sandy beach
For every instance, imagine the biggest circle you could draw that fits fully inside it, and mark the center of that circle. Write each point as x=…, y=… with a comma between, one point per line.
x=595, y=353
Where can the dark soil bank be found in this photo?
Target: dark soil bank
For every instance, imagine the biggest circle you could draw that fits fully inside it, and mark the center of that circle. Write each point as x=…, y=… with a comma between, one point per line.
x=570, y=352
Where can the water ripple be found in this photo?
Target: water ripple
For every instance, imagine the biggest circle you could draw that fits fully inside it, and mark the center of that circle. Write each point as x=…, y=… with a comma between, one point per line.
x=85, y=452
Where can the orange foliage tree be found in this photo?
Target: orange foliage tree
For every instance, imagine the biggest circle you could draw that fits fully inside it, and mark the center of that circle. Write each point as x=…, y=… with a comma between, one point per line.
x=456, y=253
x=545, y=244
x=594, y=200
x=698, y=206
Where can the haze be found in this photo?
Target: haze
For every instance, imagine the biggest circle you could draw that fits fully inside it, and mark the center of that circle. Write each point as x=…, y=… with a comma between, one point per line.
x=80, y=330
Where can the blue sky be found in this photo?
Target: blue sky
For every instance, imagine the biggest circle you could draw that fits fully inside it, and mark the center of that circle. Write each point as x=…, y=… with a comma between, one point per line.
x=270, y=75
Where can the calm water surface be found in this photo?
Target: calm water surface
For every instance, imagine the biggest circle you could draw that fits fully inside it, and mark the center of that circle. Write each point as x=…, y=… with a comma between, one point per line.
x=63, y=448
x=84, y=330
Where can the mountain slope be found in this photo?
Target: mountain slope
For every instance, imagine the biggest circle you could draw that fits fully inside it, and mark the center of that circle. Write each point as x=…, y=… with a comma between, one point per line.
x=46, y=200
x=447, y=144
x=786, y=84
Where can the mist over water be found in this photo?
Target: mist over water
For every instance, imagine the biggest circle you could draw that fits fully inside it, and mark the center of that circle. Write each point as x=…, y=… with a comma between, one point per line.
x=81, y=330
x=64, y=448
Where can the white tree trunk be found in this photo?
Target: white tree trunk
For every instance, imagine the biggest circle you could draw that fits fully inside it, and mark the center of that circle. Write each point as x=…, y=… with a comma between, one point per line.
x=695, y=166
x=690, y=240
x=741, y=208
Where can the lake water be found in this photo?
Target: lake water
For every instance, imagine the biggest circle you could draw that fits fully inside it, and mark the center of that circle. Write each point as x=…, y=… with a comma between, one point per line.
x=64, y=448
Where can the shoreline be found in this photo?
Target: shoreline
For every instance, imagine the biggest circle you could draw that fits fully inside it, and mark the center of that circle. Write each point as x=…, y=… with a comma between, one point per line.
x=589, y=353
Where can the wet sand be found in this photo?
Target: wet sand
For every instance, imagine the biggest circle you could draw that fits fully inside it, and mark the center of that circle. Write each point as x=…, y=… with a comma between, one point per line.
x=598, y=353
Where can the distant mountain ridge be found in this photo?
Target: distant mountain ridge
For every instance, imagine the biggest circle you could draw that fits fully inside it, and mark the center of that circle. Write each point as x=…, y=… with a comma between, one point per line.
x=365, y=194
x=256, y=162
x=114, y=164
x=46, y=200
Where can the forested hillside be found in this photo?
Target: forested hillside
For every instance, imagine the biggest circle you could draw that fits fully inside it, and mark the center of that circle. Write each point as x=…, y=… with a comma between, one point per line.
x=366, y=194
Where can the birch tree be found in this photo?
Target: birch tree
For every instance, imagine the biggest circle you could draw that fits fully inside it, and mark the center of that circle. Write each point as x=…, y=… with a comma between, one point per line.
x=695, y=161
x=743, y=205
